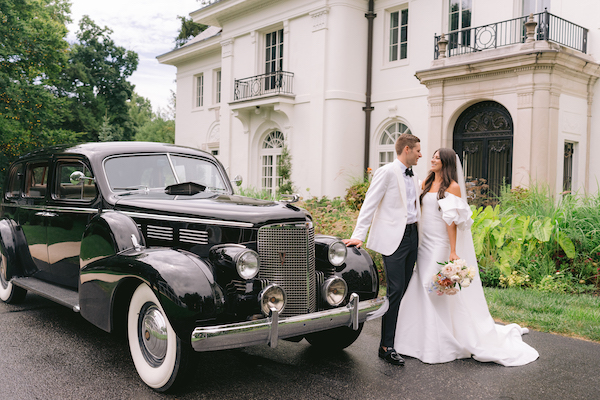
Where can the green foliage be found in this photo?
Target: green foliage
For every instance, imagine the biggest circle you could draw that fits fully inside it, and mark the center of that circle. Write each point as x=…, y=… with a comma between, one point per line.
x=94, y=83
x=284, y=170
x=157, y=130
x=355, y=194
x=189, y=29
x=532, y=234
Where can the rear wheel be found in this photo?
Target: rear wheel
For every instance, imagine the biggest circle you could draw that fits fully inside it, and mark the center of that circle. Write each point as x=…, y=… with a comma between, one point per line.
x=159, y=356
x=9, y=293
x=334, y=339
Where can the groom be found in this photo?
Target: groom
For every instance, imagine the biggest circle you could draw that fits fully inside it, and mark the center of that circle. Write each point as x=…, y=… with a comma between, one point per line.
x=391, y=209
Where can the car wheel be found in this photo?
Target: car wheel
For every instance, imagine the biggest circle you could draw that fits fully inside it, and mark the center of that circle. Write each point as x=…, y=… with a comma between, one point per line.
x=334, y=339
x=159, y=356
x=9, y=293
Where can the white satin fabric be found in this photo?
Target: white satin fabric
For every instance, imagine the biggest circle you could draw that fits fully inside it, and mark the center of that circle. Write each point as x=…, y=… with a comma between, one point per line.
x=438, y=329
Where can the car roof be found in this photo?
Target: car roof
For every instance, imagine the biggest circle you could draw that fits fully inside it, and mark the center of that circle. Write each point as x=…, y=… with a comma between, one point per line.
x=101, y=150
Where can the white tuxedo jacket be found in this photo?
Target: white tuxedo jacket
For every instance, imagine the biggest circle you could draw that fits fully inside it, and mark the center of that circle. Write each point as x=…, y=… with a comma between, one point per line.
x=384, y=210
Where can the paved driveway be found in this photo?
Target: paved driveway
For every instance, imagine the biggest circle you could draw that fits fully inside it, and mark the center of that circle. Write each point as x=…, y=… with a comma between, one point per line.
x=49, y=352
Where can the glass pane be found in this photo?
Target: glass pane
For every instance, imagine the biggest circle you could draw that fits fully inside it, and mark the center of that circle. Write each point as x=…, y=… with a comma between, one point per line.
x=36, y=180
x=454, y=22
x=404, y=17
x=394, y=19
x=466, y=19
x=393, y=53
x=454, y=6
x=403, y=51
x=404, y=34
x=466, y=4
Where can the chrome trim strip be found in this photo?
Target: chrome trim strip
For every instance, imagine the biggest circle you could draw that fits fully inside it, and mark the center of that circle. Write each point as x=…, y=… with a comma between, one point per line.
x=77, y=210
x=264, y=331
x=189, y=220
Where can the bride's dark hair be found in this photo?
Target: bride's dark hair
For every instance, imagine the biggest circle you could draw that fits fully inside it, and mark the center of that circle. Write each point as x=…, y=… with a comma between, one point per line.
x=448, y=159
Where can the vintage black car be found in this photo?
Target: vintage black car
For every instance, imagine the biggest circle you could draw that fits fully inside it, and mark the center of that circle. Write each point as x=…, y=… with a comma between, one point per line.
x=151, y=238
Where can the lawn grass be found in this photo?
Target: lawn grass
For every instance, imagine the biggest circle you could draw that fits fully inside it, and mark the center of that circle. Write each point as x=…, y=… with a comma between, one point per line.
x=565, y=314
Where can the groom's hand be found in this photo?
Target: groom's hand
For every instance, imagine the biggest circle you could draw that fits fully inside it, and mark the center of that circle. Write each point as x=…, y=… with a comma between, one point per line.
x=352, y=242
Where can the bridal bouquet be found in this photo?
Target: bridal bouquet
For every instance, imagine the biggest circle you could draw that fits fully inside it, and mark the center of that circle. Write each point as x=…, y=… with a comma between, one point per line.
x=453, y=276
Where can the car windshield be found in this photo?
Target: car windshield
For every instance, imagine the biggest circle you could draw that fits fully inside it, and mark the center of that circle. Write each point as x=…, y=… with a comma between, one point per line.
x=157, y=171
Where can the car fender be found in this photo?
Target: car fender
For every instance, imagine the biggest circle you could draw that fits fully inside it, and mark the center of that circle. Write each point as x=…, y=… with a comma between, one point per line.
x=14, y=247
x=113, y=265
x=358, y=270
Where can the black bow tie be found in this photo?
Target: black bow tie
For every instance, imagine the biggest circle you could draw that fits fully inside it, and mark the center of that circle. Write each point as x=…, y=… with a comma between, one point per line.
x=408, y=172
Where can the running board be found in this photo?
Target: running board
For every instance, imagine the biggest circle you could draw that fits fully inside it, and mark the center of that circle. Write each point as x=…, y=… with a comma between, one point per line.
x=60, y=295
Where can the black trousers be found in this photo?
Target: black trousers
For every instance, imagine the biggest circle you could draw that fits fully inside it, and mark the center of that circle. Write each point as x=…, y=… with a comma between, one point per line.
x=398, y=271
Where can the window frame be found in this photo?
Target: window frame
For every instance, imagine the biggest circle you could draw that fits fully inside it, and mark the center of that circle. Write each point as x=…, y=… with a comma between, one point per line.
x=199, y=85
x=399, y=43
x=387, y=148
x=275, y=153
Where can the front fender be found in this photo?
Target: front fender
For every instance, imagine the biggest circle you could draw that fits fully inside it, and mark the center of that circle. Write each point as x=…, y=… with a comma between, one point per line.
x=360, y=274
x=183, y=282
x=15, y=251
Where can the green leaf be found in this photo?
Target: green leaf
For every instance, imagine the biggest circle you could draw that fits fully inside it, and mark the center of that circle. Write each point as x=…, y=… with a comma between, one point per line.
x=566, y=244
x=542, y=231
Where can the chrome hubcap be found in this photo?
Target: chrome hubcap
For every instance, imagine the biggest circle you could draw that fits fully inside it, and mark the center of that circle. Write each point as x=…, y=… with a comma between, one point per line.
x=152, y=334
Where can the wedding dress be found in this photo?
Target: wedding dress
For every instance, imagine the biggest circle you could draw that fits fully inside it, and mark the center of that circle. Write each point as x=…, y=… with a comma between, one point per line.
x=438, y=329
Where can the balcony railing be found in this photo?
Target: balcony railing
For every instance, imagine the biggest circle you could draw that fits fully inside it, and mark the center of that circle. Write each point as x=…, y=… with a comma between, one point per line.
x=549, y=27
x=278, y=82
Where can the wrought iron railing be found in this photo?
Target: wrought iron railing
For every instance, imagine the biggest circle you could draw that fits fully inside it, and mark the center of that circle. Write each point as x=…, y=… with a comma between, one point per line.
x=278, y=82
x=549, y=27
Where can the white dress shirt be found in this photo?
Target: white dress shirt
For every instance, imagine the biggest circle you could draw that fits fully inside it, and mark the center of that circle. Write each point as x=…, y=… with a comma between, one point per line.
x=411, y=196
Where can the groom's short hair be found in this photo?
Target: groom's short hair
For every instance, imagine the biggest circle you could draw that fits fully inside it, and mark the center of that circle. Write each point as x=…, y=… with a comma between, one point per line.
x=406, y=139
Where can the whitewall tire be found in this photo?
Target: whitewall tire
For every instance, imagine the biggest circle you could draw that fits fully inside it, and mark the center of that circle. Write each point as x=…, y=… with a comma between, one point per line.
x=158, y=354
x=9, y=293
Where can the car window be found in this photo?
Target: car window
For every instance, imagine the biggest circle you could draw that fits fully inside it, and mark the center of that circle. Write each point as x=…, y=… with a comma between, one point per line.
x=15, y=182
x=190, y=169
x=84, y=190
x=159, y=171
x=36, y=180
x=139, y=171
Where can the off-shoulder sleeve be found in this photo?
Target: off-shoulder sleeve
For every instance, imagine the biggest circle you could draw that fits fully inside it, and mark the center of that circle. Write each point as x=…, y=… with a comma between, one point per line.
x=454, y=209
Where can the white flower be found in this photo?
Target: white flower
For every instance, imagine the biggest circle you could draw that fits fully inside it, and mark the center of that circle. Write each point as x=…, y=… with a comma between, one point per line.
x=466, y=283
x=455, y=278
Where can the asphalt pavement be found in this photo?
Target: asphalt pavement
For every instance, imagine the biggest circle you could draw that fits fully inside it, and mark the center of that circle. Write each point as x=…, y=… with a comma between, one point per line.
x=49, y=352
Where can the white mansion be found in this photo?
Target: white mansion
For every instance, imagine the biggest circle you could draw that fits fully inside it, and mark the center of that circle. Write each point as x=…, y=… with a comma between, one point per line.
x=335, y=81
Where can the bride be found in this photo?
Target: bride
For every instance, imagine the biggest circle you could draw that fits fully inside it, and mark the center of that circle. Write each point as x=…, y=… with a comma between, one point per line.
x=440, y=328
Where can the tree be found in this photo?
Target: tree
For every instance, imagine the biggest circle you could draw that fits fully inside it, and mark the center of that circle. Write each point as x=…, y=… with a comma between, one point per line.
x=33, y=50
x=140, y=111
x=94, y=82
x=159, y=129
x=189, y=29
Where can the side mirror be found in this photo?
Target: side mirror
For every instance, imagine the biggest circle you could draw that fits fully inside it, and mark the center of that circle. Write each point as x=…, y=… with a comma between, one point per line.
x=237, y=180
x=78, y=176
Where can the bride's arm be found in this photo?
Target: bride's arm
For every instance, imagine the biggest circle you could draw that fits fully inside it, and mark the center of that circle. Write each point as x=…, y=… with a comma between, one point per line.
x=451, y=229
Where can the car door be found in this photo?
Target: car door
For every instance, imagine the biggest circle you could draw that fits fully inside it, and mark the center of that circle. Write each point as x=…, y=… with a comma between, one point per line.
x=33, y=216
x=71, y=205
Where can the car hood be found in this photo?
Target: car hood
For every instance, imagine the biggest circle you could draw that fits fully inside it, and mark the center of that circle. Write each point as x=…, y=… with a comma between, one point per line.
x=208, y=205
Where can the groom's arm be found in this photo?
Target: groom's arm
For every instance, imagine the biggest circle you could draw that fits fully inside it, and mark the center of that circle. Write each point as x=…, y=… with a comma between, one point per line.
x=376, y=191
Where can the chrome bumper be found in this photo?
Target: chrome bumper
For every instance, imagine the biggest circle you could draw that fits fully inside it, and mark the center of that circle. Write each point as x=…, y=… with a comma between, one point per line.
x=270, y=330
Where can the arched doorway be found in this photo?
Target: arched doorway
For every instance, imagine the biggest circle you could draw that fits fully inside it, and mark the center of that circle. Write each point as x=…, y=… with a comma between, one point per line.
x=483, y=139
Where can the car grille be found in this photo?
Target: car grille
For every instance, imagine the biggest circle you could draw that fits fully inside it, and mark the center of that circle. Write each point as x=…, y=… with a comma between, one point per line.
x=287, y=258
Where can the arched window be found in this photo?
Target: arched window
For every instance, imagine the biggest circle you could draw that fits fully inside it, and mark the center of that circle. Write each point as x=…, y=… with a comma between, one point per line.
x=270, y=155
x=387, y=152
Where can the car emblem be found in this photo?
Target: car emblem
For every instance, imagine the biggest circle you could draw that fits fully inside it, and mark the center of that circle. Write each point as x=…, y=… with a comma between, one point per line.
x=282, y=257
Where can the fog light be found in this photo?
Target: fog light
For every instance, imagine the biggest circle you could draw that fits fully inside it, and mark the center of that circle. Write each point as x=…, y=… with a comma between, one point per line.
x=334, y=290
x=272, y=296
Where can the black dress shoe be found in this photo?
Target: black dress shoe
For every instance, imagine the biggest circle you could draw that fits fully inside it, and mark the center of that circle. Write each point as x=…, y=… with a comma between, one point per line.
x=391, y=356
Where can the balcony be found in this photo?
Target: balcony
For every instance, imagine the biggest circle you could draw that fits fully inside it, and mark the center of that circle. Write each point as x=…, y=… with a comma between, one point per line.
x=543, y=26
x=264, y=85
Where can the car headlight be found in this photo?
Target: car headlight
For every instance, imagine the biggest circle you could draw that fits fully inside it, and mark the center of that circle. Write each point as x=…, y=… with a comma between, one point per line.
x=246, y=264
x=271, y=297
x=334, y=290
x=337, y=253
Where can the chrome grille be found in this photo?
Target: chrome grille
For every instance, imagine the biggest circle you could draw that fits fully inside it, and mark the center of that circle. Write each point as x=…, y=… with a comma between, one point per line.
x=160, y=232
x=193, y=236
x=287, y=258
